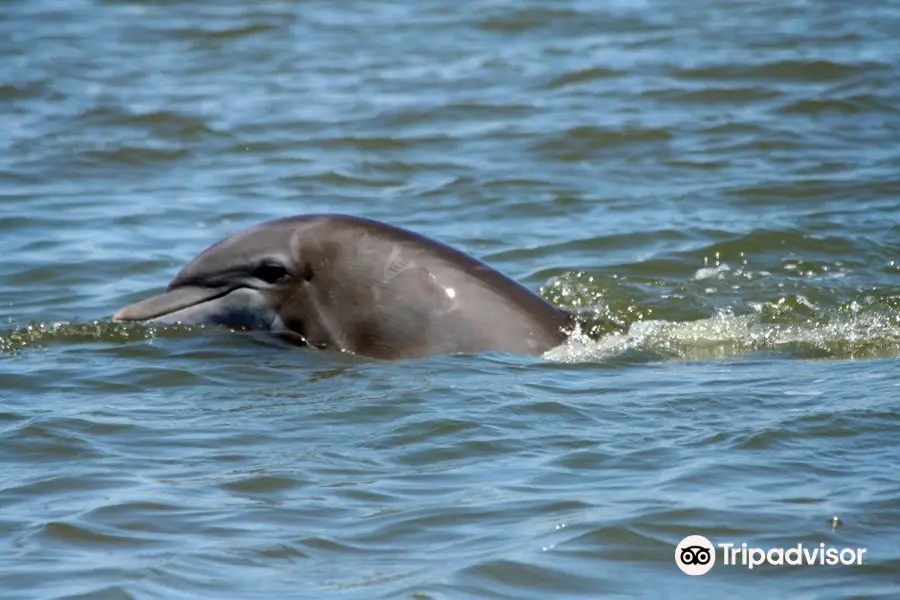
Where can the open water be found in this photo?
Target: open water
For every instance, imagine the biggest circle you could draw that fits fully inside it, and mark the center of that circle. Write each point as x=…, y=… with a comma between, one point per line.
x=719, y=176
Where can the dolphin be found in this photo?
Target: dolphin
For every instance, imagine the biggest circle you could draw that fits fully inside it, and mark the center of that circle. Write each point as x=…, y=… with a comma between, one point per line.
x=353, y=284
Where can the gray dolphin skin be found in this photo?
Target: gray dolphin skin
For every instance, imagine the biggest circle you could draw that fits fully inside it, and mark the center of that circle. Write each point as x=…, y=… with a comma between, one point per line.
x=349, y=283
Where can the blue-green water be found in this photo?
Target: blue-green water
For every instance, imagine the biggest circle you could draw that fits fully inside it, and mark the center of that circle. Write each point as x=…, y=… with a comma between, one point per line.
x=721, y=177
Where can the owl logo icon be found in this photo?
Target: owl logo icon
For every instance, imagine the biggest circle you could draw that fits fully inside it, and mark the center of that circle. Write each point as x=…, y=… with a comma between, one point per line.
x=695, y=555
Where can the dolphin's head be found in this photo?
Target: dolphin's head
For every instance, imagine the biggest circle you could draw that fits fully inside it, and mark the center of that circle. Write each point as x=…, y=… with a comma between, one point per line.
x=250, y=280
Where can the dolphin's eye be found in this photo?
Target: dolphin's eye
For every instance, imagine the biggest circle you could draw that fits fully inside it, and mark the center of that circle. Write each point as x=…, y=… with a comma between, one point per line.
x=270, y=272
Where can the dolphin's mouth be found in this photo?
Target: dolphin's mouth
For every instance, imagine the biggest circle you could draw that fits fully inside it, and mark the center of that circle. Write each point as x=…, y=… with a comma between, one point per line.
x=170, y=302
x=239, y=307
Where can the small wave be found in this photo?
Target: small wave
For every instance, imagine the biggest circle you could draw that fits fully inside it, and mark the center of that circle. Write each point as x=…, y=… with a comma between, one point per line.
x=133, y=155
x=581, y=76
x=17, y=339
x=793, y=70
x=164, y=124
x=579, y=143
x=21, y=91
x=847, y=106
x=726, y=335
x=525, y=20
x=714, y=95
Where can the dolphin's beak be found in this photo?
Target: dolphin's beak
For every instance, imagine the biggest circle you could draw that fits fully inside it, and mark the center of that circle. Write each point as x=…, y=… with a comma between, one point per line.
x=169, y=302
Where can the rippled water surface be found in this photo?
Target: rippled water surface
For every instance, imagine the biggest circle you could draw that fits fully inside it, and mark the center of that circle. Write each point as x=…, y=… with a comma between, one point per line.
x=720, y=177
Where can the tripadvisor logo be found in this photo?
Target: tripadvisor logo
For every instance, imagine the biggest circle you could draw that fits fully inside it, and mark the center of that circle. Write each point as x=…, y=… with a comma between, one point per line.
x=696, y=555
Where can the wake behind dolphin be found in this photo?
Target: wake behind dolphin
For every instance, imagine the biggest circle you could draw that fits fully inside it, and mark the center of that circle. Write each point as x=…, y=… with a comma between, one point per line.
x=348, y=283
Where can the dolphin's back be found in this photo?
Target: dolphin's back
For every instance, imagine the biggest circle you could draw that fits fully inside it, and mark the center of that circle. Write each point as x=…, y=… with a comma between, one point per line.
x=408, y=291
